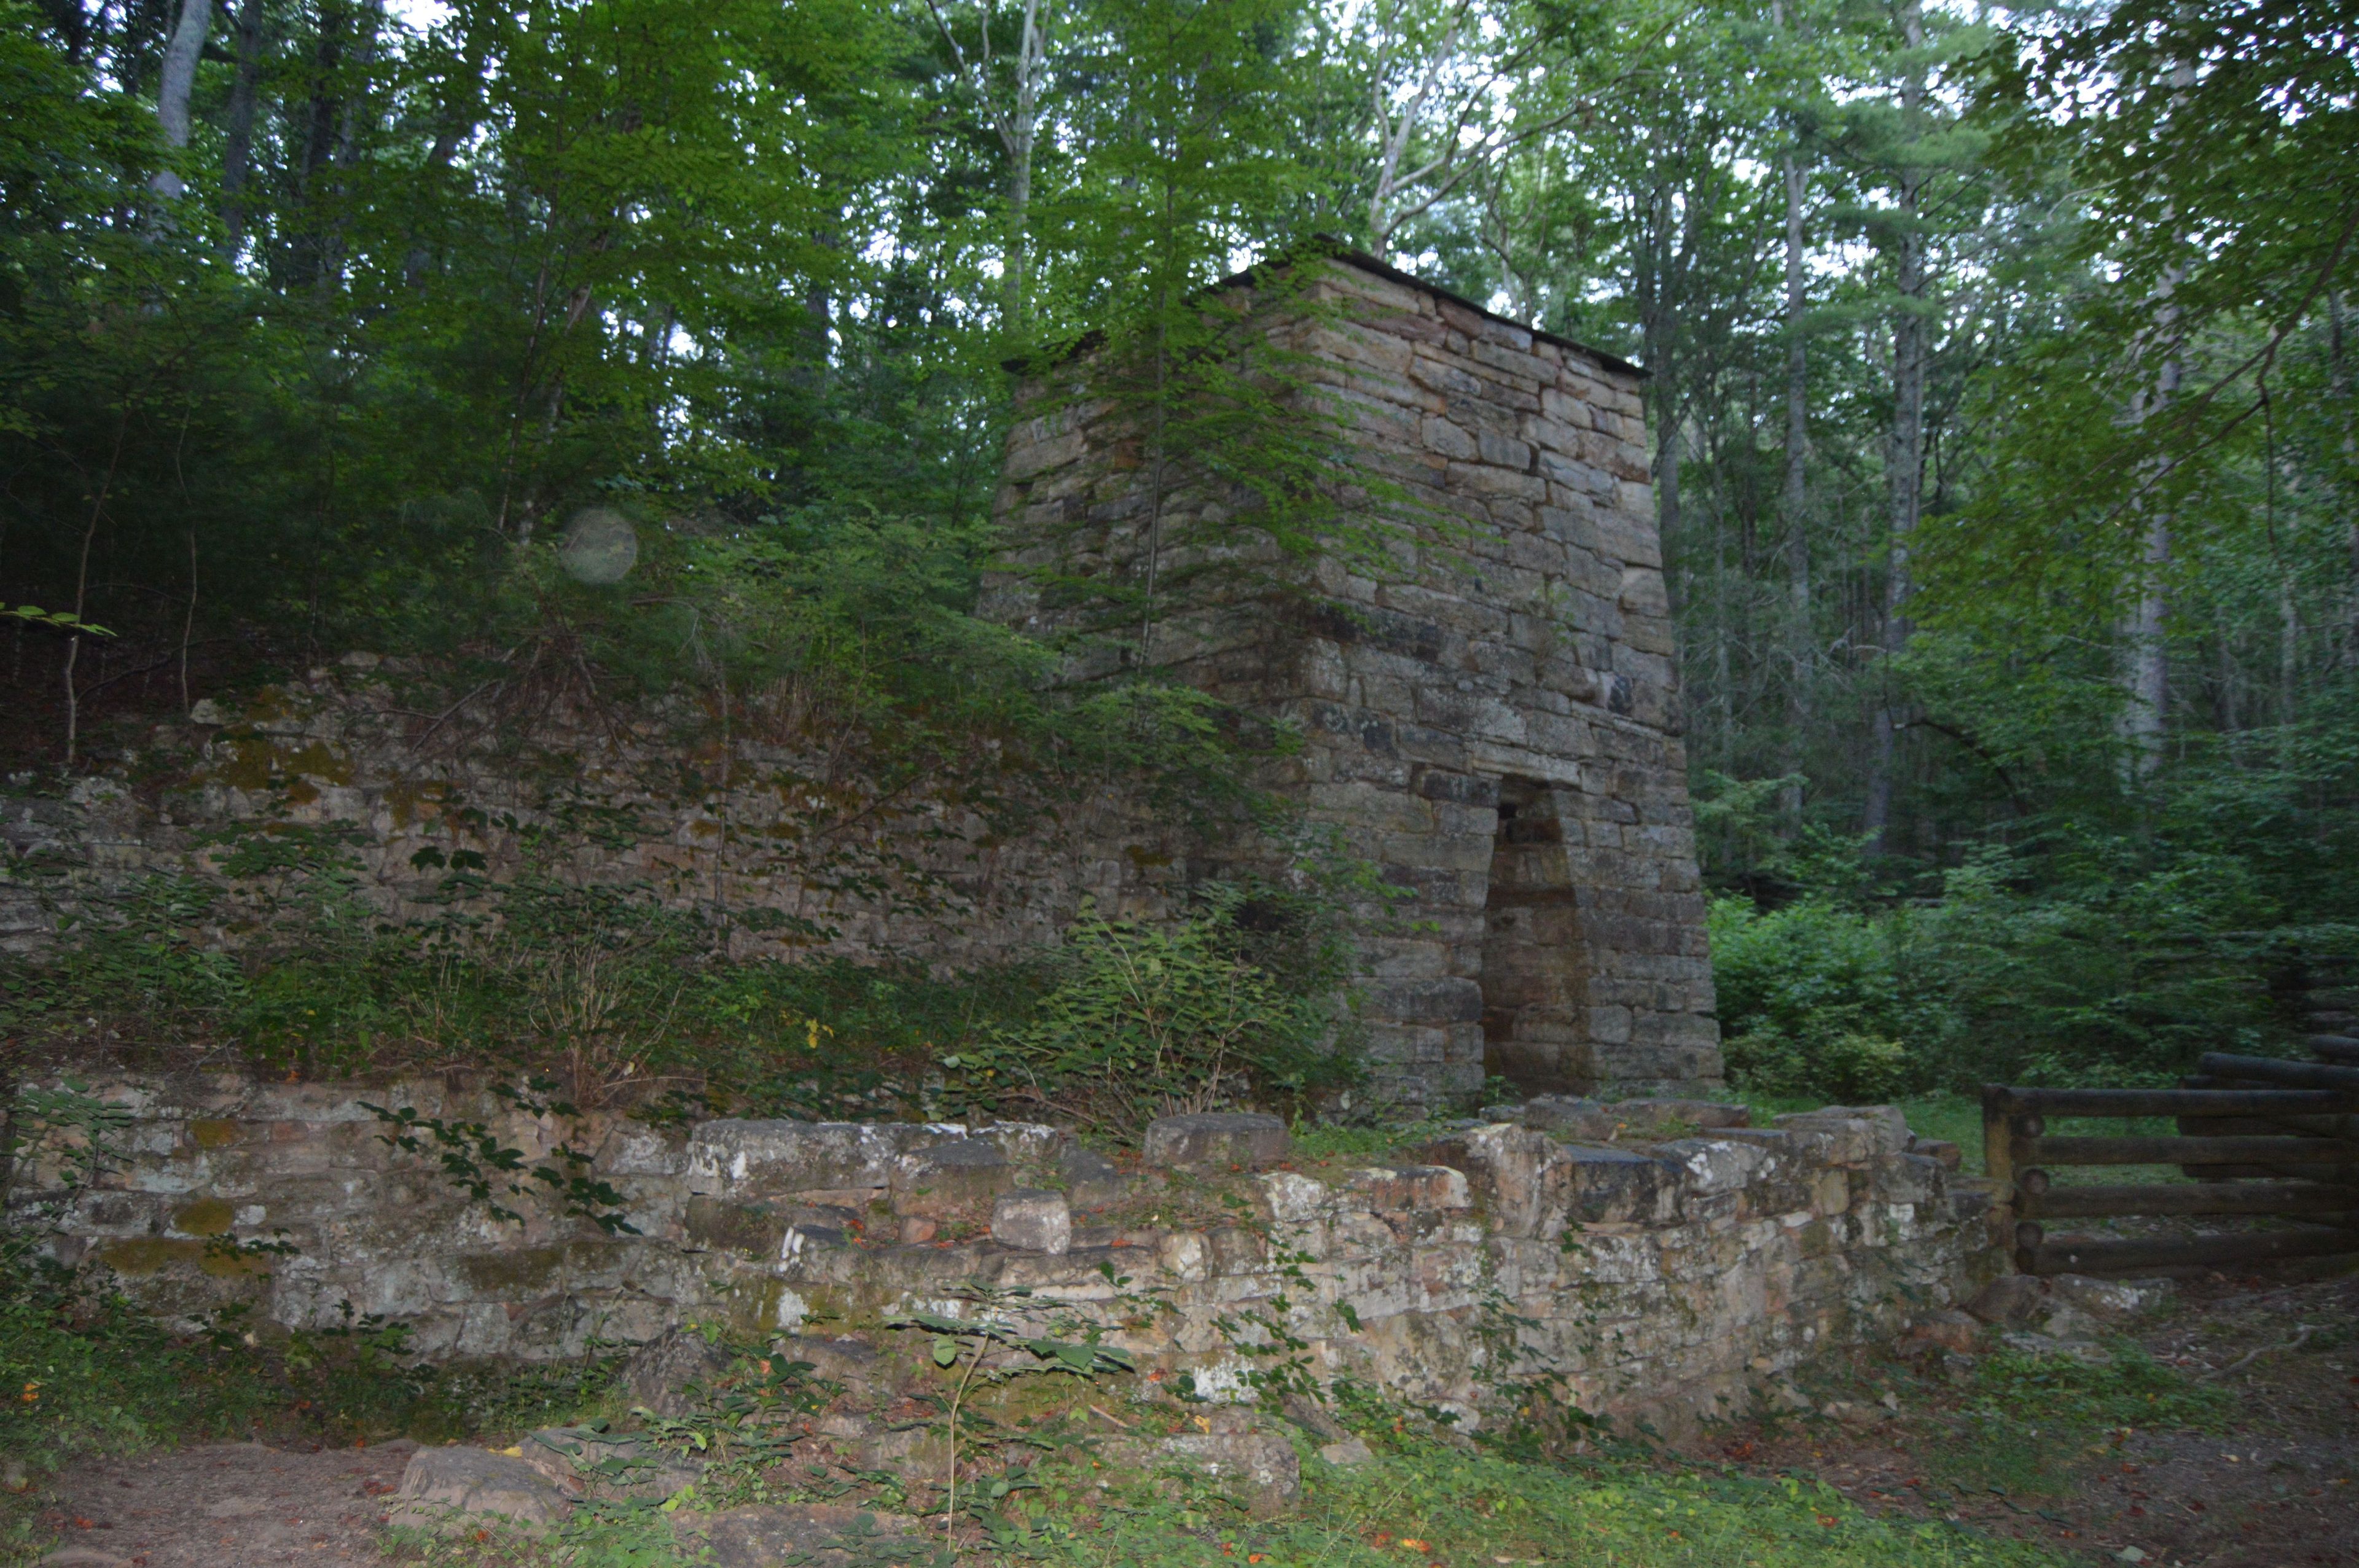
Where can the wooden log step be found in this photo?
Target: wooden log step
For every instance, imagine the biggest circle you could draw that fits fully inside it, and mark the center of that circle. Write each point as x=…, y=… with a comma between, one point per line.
x=2341, y=1049
x=2037, y=1198
x=2345, y=1175
x=2105, y=1255
x=2169, y=1102
x=2328, y=1152
x=2343, y=1126
x=2270, y=1070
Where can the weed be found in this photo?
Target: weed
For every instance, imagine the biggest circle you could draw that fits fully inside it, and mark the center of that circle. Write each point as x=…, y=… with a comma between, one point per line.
x=1427, y=1502
x=2028, y=1421
x=964, y=1346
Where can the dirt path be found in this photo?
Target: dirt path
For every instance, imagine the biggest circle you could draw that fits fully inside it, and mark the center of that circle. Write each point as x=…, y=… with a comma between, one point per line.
x=2277, y=1487
x=240, y=1505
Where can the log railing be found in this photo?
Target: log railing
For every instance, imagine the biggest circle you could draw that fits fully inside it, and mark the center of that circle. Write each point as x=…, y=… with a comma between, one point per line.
x=2263, y=1137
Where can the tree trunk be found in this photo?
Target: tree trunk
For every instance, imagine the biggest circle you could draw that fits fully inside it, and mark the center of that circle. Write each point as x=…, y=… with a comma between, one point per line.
x=1031, y=72
x=308, y=260
x=1802, y=697
x=2289, y=651
x=179, y=78
x=2145, y=651
x=459, y=121
x=2145, y=667
x=237, y=155
x=1667, y=478
x=2338, y=381
x=1904, y=463
x=818, y=326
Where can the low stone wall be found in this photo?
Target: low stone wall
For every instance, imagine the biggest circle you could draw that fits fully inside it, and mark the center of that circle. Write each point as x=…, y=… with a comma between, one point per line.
x=1669, y=1277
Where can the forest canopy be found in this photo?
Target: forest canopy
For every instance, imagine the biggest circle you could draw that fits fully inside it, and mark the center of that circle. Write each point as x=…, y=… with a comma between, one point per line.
x=2000, y=398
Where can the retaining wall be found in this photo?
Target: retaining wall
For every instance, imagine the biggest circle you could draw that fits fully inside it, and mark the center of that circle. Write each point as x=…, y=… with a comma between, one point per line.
x=1669, y=1279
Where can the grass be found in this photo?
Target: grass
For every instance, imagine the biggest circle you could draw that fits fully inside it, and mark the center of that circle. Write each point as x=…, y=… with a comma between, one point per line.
x=1423, y=1505
x=2029, y=1423
x=1430, y=1504
x=2022, y=1425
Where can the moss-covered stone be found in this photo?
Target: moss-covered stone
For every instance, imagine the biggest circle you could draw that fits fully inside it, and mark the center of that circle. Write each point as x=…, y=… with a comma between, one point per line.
x=206, y=1217
x=213, y=1133
x=724, y=1226
x=139, y=1255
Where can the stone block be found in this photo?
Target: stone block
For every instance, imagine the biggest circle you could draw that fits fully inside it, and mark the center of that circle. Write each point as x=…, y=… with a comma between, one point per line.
x=2110, y=1300
x=1092, y=1181
x=634, y=1150
x=1713, y=1114
x=1951, y=1156
x=1027, y=1144
x=1615, y=1184
x=671, y=1374
x=1947, y=1329
x=1442, y=436
x=1568, y=1115
x=965, y=1173
x=1215, y=1138
x=624, y=1465
x=1709, y=1167
x=1411, y=1189
x=847, y=1363
x=821, y=1535
x=447, y=1490
x=2008, y=1301
x=1846, y=1135
x=1912, y=1179
x=1257, y=1467
x=744, y=1158
x=753, y=1229
x=1445, y=1000
x=1033, y=1219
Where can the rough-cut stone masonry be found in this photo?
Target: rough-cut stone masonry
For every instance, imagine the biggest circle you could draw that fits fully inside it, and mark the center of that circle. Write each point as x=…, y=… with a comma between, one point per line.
x=1491, y=712
x=1668, y=1279
x=1491, y=716
x=801, y=853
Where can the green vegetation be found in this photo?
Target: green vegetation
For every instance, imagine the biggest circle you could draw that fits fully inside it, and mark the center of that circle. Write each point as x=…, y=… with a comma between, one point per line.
x=2005, y=490
x=1147, y=1020
x=87, y=1374
x=615, y=994
x=1438, y=1505
x=1422, y=1502
x=2100, y=980
x=1470, y=1506
x=601, y=985
x=2082, y=1410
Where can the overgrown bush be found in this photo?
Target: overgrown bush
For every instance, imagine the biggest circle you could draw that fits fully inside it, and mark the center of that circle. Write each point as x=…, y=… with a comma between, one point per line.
x=1240, y=1001
x=1811, y=1002
x=622, y=998
x=2098, y=962
x=602, y=986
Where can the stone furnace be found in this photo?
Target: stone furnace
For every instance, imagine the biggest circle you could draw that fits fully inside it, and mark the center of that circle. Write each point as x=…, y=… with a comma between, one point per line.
x=1484, y=683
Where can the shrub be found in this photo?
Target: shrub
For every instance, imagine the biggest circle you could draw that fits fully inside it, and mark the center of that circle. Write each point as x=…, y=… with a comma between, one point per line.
x=1238, y=1001
x=1815, y=1000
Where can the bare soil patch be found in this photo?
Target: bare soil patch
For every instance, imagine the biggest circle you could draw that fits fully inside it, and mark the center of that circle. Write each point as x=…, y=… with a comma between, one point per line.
x=231, y=1505
x=2273, y=1484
